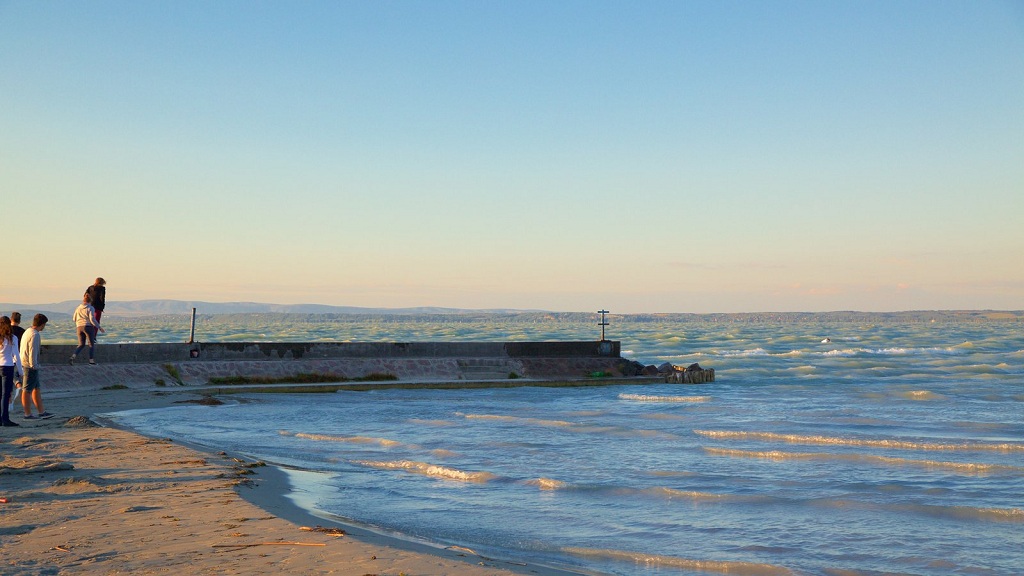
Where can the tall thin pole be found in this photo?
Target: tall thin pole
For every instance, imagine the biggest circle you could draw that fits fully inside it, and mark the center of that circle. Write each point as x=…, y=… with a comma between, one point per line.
x=603, y=322
x=192, y=331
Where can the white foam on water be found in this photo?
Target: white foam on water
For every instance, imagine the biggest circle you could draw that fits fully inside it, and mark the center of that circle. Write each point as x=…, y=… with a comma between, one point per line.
x=1013, y=515
x=922, y=395
x=779, y=455
x=427, y=469
x=888, y=443
x=546, y=483
x=422, y=422
x=654, y=561
x=349, y=439
x=650, y=398
x=518, y=420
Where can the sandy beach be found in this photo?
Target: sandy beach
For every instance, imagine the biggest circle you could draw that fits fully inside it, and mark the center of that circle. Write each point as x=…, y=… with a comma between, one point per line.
x=79, y=497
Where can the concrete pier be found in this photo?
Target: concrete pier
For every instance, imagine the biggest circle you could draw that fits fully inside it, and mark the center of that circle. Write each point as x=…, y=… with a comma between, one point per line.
x=137, y=365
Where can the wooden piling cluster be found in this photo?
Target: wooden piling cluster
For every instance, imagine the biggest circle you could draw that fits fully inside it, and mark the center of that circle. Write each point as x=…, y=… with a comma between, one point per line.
x=699, y=376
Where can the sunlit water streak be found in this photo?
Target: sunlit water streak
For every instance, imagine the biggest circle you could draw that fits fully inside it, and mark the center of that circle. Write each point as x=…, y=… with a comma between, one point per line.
x=893, y=448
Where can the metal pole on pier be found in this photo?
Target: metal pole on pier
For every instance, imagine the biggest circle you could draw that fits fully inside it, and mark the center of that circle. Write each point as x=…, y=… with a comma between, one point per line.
x=192, y=331
x=602, y=323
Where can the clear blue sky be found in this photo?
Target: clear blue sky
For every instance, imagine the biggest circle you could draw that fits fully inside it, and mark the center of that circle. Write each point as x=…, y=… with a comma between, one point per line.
x=651, y=156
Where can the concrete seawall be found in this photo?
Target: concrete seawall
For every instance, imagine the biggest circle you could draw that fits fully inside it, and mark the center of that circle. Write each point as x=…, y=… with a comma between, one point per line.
x=194, y=364
x=132, y=353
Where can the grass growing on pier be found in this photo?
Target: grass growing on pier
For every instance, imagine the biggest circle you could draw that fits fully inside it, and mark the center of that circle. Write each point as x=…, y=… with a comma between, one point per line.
x=302, y=378
x=173, y=372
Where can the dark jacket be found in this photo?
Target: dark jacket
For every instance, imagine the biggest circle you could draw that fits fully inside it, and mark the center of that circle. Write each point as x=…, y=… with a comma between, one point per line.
x=98, y=295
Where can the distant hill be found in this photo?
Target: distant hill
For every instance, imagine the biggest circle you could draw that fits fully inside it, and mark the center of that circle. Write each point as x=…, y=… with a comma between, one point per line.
x=158, y=307
x=141, y=308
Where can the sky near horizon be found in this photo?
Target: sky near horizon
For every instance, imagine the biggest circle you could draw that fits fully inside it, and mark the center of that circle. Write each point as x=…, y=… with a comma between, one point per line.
x=649, y=156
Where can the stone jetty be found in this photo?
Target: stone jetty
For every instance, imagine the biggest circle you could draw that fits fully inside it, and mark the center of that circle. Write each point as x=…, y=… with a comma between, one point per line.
x=449, y=362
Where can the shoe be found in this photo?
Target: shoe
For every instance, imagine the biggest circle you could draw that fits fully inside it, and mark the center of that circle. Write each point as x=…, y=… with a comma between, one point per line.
x=92, y=362
x=31, y=417
x=72, y=361
x=44, y=415
x=9, y=423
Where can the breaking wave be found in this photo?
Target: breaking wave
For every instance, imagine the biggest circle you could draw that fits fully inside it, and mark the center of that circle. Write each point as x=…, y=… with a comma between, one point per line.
x=517, y=420
x=546, y=483
x=645, y=398
x=966, y=512
x=743, y=353
x=883, y=443
x=694, y=495
x=922, y=395
x=936, y=511
x=779, y=455
x=434, y=422
x=427, y=469
x=655, y=560
x=351, y=439
x=619, y=431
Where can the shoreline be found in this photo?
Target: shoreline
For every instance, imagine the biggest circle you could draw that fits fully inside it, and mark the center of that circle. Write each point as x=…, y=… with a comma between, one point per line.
x=109, y=499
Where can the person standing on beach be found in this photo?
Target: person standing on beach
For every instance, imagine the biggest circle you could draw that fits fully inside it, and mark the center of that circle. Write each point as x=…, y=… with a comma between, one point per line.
x=10, y=364
x=19, y=333
x=87, y=325
x=98, y=296
x=30, y=393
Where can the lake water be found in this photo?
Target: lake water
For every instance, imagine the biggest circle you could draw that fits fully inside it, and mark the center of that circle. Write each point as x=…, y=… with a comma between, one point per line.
x=824, y=447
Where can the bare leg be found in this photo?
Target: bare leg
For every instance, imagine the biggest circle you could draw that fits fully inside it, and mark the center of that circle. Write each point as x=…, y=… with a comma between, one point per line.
x=37, y=399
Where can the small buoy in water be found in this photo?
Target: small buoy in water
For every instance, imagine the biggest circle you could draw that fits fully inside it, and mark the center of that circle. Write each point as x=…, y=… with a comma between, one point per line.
x=826, y=341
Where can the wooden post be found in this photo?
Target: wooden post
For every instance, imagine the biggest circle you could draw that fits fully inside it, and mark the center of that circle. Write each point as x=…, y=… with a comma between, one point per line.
x=192, y=331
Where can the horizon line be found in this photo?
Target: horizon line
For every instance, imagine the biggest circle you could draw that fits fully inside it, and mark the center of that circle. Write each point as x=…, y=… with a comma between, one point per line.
x=112, y=310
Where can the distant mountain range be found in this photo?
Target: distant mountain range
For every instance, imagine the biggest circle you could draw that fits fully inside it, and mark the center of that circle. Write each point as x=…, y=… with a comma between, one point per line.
x=157, y=307
x=141, y=308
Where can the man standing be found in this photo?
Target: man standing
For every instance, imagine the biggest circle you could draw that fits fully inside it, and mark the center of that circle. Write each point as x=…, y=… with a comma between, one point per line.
x=98, y=296
x=19, y=333
x=15, y=325
x=30, y=363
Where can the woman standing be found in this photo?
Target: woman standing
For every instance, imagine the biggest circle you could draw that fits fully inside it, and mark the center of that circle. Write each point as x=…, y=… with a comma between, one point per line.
x=98, y=297
x=9, y=361
x=87, y=325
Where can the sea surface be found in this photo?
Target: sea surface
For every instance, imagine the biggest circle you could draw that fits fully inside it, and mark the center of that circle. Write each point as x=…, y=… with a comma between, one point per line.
x=839, y=447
